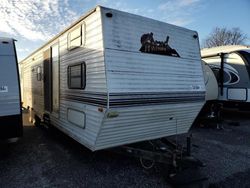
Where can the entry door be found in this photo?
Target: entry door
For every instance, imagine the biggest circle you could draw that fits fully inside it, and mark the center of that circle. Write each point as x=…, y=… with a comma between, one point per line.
x=55, y=77
x=47, y=80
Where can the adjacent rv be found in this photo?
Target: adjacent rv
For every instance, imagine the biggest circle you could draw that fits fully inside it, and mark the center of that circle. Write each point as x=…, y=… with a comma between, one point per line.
x=231, y=67
x=10, y=97
x=114, y=78
x=210, y=83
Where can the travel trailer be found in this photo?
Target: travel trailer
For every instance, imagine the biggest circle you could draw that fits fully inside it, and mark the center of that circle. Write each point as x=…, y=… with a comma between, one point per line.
x=10, y=97
x=234, y=80
x=210, y=83
x=114, y=78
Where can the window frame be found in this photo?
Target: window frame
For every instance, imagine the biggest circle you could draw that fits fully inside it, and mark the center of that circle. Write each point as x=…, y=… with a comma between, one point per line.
x=82, y=76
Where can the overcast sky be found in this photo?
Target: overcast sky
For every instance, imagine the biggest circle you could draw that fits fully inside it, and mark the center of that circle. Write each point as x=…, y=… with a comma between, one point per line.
x=33, y=22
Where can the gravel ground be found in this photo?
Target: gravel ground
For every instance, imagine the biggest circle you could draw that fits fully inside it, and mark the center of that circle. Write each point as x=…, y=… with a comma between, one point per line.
x=51, y=159
x=225, y=152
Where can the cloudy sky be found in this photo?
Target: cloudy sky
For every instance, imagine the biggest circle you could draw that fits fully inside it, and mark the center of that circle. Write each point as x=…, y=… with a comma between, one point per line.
x=33, y=22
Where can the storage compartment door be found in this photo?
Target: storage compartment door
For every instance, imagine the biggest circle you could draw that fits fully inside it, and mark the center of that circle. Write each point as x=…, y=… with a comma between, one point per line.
x=239, y=94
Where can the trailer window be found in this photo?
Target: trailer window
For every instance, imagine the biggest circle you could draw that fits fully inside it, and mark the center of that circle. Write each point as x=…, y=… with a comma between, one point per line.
x=39, y=73
x=77, y=76
x=76, y=37
x=246, y=57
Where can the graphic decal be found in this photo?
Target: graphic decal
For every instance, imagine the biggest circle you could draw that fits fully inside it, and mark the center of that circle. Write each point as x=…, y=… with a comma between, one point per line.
x=231, y=75
x=149, y=45
x=3, y=89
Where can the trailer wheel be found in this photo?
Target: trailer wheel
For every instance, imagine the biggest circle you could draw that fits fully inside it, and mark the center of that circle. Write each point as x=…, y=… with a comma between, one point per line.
x=147, y=164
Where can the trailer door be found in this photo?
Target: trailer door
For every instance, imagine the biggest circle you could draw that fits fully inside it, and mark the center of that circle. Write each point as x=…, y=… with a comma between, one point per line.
x=55, y=77
x=47, y=80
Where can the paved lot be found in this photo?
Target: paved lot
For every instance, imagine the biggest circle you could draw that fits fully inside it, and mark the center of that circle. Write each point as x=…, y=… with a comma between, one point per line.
x=51, y=159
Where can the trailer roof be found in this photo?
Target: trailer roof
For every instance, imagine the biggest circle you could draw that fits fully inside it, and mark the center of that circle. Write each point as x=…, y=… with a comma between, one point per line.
x=79, y=20
x=2, y=39
x=222, y=49
x=62, y=32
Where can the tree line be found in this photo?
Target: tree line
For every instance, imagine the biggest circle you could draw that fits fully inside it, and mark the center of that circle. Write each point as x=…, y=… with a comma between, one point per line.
x=223, y=36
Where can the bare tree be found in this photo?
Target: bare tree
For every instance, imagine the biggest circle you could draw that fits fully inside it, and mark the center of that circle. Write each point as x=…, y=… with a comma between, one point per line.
x=224, y=36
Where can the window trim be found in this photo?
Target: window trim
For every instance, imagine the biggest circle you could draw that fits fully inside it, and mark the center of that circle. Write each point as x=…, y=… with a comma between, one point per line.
x=83, y=84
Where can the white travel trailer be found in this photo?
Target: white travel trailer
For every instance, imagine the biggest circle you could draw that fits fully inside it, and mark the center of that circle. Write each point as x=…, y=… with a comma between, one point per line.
x=210, y=83
x=234, y=80
x=10, y=97
x=114, y=78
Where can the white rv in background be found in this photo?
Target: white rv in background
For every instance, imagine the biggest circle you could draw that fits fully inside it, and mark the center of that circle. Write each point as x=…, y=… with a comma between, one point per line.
x=210, y=83
x=10, y=97
x=114, y=78
x=234, y=80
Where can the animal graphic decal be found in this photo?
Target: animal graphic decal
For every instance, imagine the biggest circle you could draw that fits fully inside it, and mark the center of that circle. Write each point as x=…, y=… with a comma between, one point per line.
x=149, y=45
